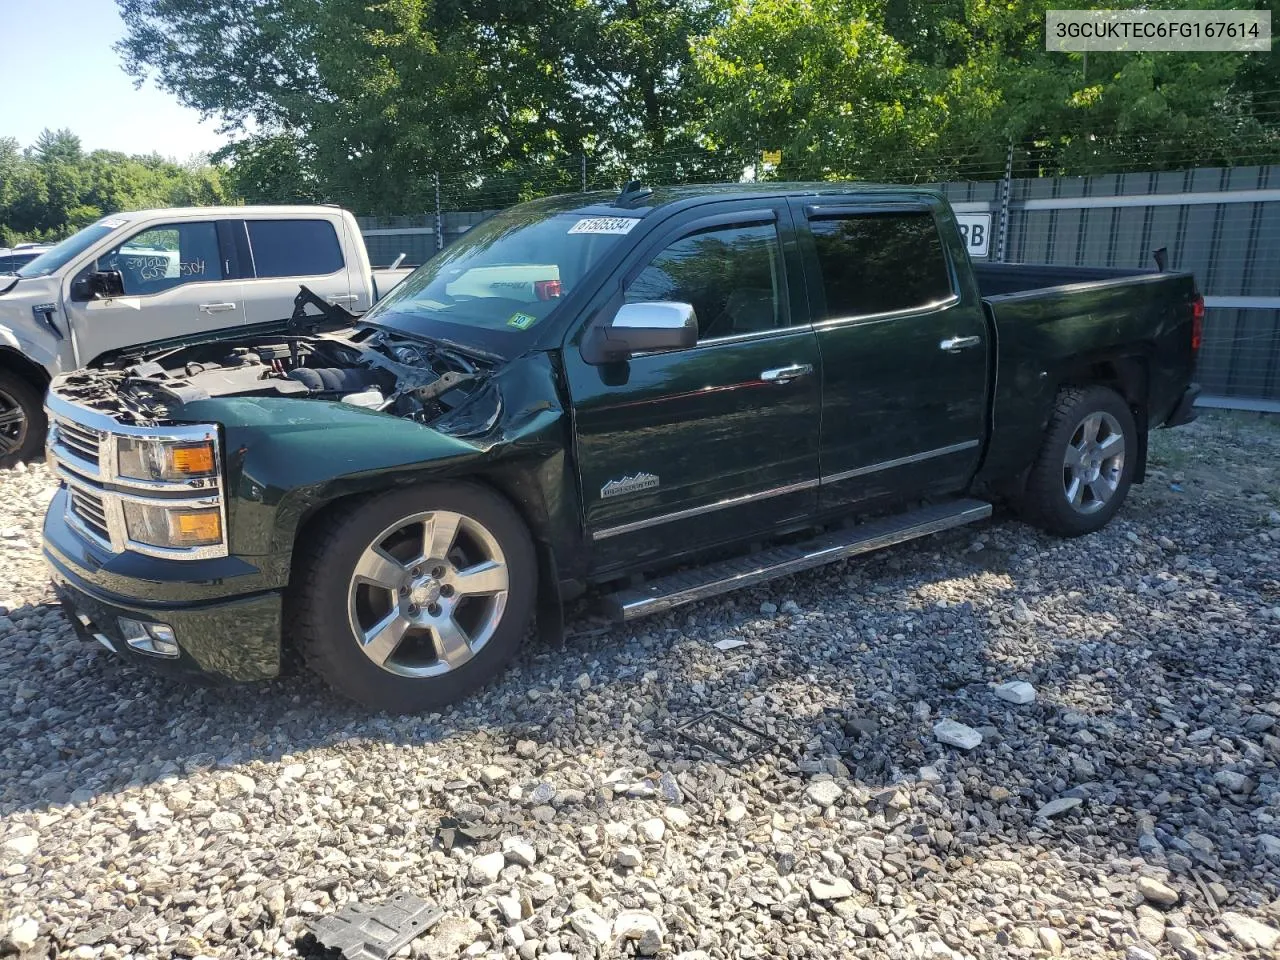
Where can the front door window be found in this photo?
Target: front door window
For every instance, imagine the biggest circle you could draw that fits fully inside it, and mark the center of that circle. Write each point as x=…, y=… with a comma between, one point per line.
x=161, y=258
x=731, y=276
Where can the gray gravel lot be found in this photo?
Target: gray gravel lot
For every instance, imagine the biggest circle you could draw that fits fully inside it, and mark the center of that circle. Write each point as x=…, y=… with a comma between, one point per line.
x=1130, y=810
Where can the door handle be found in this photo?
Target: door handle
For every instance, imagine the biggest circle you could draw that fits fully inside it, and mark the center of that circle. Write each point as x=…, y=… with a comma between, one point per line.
x=956, y=344
x=216, y=307
x=787, y=374
x=344, y=298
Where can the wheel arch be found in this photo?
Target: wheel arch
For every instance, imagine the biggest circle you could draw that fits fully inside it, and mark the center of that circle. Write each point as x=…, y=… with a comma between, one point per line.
x=1129, y=376
x=18, y=364
x=28, y=383
x=507, y=485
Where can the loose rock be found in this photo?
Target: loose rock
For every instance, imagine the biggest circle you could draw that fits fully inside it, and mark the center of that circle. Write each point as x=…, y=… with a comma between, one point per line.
x=1153, y=891
x=592, y=927
x=1057, y=807
x=823, y=792
x=1250, y=933
x=1016, y=691
x=956, y=734
x=830, y=888
x=485, y=869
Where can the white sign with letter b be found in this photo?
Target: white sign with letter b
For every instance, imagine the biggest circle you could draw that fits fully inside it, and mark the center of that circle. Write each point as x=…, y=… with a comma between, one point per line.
x=975, y=230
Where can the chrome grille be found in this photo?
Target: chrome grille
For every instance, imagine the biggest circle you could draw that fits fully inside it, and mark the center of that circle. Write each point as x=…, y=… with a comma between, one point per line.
x=82, y=450
x=81, y=441
x=91, y=511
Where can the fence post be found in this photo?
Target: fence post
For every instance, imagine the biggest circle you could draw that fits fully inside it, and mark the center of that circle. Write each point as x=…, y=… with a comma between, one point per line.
x=439, y=216
x=584, y=173
x=1006, y=190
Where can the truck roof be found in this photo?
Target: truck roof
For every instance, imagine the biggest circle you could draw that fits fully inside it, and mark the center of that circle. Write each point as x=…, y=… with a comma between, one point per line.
x=639, y=200
x=278, y=210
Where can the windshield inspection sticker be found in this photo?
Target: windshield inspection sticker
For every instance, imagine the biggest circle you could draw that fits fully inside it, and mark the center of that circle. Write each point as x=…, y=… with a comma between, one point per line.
x=522, y=321
x=615, y=225
x=112, y=224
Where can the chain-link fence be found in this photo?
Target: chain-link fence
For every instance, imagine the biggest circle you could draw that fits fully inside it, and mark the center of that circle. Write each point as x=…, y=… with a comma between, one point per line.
x=1221, y=222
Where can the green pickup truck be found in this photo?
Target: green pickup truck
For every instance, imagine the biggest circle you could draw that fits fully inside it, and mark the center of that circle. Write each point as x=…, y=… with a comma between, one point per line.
x=663, y=394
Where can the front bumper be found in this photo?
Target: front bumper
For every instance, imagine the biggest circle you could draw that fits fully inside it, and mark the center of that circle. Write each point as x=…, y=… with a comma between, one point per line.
x=1185, y=411
x=233, y=636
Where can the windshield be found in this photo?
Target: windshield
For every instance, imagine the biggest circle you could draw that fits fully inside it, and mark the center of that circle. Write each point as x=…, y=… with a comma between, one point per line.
x=54, y=259
x=504, y=278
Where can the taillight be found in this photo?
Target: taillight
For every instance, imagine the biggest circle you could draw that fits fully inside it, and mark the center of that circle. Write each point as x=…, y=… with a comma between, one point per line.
x=546, y=289
x=1197, y=322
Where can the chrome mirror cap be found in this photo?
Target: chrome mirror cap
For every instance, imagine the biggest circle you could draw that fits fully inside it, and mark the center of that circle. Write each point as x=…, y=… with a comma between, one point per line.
x=655, y=315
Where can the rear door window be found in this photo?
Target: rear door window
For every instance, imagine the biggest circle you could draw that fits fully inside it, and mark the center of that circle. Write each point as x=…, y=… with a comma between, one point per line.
x=294, y=248
x=880, y=263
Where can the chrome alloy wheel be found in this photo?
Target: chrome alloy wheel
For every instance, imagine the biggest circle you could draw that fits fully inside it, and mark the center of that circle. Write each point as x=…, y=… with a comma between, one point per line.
x=1093, y=463
x=13, y=424
x=427, y=594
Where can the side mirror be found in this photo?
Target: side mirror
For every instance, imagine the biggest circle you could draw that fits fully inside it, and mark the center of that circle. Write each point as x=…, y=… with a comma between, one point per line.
x=641, y=328
x=81, y=292
x=107, y=283
x=104, y=284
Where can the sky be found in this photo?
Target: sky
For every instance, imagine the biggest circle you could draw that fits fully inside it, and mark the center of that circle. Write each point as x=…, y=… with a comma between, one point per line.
x=58, y=70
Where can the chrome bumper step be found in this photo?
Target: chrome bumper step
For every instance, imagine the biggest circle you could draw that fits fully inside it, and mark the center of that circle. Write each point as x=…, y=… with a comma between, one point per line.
x=699, y=583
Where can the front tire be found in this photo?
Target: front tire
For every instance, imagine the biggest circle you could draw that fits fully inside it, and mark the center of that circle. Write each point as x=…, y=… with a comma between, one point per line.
x=1086, y=463
x=22, y=420
x=412, y=599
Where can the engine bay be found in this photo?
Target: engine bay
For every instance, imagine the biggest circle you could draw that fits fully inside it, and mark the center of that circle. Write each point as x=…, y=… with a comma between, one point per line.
x=365, y=366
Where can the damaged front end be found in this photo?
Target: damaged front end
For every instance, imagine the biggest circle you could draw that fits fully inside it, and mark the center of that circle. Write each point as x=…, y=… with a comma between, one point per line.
x=296, y=416
x=363, y=366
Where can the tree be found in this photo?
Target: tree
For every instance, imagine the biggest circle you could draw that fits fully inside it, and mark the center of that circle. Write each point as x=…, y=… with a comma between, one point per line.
x=57, y=146
x=54, y=188
x=933, y=89
x=381, y=97
x=1110, y=112
x=827, y=84
x=271, y=169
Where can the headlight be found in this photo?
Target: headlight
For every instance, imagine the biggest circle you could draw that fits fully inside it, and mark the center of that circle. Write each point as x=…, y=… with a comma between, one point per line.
x=164, y=526
x=143, y=459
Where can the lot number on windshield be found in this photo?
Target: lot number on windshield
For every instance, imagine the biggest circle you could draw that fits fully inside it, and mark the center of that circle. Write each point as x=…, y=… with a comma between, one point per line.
x=604, y=225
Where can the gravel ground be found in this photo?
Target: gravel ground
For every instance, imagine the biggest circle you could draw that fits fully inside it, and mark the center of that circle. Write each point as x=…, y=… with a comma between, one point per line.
x=1130, y=810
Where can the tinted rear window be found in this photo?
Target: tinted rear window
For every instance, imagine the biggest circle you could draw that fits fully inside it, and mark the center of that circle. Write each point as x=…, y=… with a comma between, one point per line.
x=294, y=248
x=879, y=263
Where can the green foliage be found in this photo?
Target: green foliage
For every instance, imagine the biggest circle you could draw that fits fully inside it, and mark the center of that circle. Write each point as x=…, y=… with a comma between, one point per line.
x=374, y=98
x=53, y=189
x=931, y=89
x=372, y=103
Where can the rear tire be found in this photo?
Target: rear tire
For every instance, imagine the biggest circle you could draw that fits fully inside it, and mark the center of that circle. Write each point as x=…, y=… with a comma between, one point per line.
x=22, y=420
x=1086, y=463
x=410, y=600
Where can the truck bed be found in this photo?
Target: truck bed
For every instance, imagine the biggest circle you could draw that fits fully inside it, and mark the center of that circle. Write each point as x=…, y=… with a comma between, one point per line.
x=1004, y=279
x=1053, y=324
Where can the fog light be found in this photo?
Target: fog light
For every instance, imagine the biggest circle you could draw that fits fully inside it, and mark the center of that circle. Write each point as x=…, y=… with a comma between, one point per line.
x=155, y=639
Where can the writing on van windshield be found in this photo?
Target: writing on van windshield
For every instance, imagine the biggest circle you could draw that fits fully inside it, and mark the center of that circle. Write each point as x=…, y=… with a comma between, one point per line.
x=162, y=267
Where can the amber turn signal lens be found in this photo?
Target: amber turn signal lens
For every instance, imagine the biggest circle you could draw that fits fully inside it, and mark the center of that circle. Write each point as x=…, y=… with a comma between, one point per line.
x=189, y=528
x=194, y=460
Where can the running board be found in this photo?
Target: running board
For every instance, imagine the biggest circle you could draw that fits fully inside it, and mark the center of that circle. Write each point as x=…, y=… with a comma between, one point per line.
x=699, y=583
